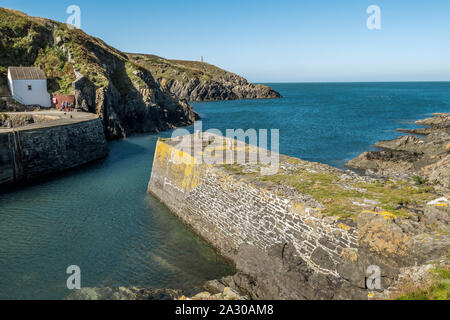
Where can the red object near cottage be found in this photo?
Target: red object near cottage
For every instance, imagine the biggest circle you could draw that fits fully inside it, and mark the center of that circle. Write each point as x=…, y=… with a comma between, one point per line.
x=59, y=99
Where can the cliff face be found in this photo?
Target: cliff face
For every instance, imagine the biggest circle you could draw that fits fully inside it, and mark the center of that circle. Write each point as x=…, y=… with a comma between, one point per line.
x=130, y=93
x=103, y=79
x=197, y=81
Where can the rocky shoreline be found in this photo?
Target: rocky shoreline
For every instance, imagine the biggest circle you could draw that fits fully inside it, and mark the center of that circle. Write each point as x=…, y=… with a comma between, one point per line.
x=213, y=290
x=425, y=158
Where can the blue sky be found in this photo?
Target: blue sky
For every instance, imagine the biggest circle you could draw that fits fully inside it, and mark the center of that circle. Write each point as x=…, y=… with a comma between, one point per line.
x=276, y=41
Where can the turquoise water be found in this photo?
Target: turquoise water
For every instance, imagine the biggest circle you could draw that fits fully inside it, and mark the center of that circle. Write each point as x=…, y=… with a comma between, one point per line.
x=101, y=218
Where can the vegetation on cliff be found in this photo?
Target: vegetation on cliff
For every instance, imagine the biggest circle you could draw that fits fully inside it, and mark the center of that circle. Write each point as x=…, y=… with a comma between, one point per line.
x=199, y=81
x=131, y=93
x=103, y=79
x=431, y=282
x=344, y=195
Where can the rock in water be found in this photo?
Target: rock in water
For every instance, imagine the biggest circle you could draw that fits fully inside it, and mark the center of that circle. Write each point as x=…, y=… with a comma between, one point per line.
x=427, y=158
x=123, y=293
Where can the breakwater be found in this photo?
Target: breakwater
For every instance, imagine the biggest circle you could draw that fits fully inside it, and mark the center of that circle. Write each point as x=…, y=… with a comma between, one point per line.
x=40, y=144
x=308, y=231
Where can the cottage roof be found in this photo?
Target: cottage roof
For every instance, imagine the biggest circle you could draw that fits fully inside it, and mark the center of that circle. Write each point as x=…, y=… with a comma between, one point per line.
x=26, y=73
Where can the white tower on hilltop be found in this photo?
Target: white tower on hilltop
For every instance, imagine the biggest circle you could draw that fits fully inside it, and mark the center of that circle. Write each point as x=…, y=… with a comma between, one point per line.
x=201, y=60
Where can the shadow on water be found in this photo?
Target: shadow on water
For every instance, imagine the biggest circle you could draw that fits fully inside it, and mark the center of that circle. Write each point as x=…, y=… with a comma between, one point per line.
x=101, y=218
x=128, y=148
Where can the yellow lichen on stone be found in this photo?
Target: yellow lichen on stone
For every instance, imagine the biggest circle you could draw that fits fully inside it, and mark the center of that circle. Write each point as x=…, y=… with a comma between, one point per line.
x=384, y=238
x=350, y=254
x=343, y=227
x=297, y=208
x=387, y=215
x=182, y=173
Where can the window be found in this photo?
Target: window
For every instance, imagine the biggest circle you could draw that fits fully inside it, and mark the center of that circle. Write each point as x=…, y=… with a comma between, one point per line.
x=30, y=87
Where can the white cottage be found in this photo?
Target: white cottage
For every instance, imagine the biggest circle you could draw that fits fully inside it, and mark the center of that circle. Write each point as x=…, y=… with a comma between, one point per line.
x=28, y=86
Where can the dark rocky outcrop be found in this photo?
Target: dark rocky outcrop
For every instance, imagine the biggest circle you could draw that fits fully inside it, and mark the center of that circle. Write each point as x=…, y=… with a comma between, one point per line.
x=122, y=293
x=427, y=157
x=281, y=274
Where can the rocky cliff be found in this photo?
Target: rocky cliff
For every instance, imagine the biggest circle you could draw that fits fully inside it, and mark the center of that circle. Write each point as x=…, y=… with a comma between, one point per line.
x=103, y=79
x=198, y=81
x=128, y=92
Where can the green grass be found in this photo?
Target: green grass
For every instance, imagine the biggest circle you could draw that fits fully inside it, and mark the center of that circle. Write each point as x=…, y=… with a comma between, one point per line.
x=179, y=70
x=419, y=181
x=439, y=289
x=235, y=169
x=24, y=41
x=58, y=69
x=340, y=197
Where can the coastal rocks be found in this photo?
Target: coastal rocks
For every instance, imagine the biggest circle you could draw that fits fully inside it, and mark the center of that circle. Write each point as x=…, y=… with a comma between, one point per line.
x=310, y=231
x=390, y=243
x=143, y=294
x=408, y=156
x=281, y=274
x=85, y=96
x=123, y=293
x=217, y=90
x=439, y=172
x=224, y=294
x=199, y=81
x=416, y=280
x=130, y=93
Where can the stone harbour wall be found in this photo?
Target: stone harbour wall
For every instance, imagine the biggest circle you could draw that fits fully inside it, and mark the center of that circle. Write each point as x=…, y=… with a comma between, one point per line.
x=41, y=149
x=229, y=210
x=308, y=231
x=238, y=213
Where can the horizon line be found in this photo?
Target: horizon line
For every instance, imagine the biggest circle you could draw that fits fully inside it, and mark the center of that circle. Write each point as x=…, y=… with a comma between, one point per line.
x=343, y=82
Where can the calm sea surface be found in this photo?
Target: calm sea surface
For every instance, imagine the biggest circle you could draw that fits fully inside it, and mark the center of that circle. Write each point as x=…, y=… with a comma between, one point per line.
x=101, y=218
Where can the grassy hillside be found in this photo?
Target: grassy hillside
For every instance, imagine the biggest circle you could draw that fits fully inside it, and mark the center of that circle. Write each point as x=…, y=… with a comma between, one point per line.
x=198, y=81
x=103, y=79
x=57, y=49
x=29, y=41
x=180, y=70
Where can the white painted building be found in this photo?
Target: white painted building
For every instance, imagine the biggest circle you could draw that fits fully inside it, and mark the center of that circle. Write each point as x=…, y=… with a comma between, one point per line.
x=28, y=86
